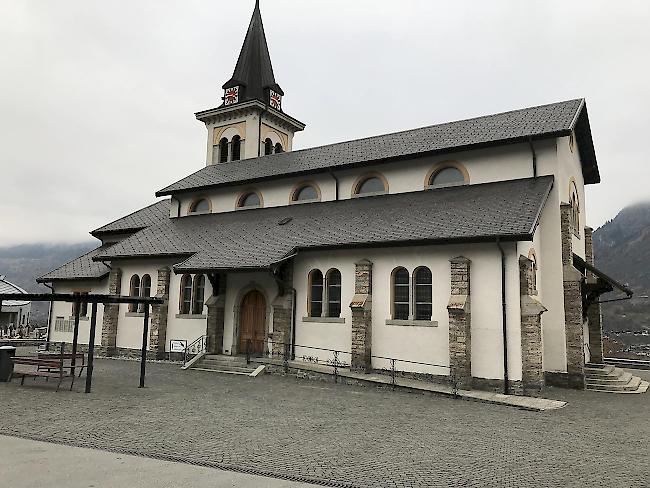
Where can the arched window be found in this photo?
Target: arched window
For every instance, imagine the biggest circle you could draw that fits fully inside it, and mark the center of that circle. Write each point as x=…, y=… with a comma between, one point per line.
x=200, y=206
x=278, y=148
x=305, y=193
x=574, y=202
x=236, y=148
x=448, y=176
x=134, y=291
x=333, y=293
x=268, y=147
x=198, y=295
x=186, y=295
x=249, y=200
x=370, y=185
x=423, y=294
x=401, y=306
x=315, y=293
x=533, y=257
x=145, y=291
x=223, y=150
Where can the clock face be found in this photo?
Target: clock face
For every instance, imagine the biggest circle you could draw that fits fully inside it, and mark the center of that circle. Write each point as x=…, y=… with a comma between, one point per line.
x=276, y=100
x=231, y=95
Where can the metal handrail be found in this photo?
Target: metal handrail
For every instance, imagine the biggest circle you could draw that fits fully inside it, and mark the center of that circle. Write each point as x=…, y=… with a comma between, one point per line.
x=199, y=344
x=335, y=363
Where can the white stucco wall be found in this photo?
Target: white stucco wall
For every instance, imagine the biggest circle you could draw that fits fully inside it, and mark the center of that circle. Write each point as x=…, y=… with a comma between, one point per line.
x=413, y=343
x=62, y=309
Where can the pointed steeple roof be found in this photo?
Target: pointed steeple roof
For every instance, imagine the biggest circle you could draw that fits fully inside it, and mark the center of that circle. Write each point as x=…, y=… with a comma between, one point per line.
x=254, y=71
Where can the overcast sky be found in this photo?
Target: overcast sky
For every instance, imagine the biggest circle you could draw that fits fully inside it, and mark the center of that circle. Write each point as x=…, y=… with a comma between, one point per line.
x=97, y=98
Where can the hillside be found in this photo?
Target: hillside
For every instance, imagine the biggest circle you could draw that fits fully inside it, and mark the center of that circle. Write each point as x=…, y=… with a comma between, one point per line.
x=622, y=250
x=23, y=264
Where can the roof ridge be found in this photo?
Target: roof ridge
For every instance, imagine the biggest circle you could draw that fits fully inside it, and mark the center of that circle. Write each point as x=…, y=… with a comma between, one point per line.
x=279, y=155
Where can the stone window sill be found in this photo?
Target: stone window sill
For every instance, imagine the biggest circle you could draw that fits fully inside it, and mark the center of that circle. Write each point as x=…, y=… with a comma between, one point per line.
x=81, y=319
x=134, y=314
x=325, y=320
x=413, y=323
x=190, y=316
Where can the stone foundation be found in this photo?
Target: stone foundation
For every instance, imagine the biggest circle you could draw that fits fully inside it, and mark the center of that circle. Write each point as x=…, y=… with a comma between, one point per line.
x=460, y=324
x=361, y=307
x=111, y=312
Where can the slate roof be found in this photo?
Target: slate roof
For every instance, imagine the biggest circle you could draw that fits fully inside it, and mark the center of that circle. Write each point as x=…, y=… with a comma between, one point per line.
x=8, y=287
x=138, y=220
x=545, y=121
x=81, y=268
x=259, y=238
x=254, y=70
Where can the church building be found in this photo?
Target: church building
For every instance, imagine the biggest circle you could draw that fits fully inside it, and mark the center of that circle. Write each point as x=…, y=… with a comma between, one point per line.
x=460, y=249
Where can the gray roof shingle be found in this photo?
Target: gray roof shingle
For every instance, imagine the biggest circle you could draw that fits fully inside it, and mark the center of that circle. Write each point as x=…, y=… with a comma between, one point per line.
x=257, y=239
x=557, y=119
x=139, y=219
x=81, y=268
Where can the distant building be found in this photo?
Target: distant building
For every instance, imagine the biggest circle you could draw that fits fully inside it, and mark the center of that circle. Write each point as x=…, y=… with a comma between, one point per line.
x=367, y=247
x=14, y=313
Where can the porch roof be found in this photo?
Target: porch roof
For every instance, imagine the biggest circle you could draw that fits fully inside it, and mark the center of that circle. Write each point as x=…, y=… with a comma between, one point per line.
x=261, y=238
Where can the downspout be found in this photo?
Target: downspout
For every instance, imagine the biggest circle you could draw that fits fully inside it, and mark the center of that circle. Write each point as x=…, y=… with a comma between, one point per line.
x=49, y=319
x=504, y=320
x=336, y=183
x=532, y=150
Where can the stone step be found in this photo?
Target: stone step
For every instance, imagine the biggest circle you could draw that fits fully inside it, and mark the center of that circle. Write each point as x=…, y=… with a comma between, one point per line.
x=620, y=377
x=221, y=371
x=604, y=370
x=225, y=357
x=631, y=385
x=597, y=365
x=223, y=367
x=642, y=388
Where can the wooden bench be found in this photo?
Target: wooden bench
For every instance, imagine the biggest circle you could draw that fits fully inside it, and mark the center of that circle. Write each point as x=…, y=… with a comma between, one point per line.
x=67, y=359
x=41, y=368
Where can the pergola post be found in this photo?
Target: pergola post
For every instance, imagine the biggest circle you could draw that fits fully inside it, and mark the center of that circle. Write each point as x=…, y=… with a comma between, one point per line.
x=145, y=336
x=75, y=337
x=91, y=348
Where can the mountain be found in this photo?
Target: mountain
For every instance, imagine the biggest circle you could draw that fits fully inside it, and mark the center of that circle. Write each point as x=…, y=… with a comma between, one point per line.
x=622, y=250
x=24, y=263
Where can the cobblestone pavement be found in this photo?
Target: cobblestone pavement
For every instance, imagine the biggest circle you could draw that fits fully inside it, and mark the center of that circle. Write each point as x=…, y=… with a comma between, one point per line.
x=339, y=435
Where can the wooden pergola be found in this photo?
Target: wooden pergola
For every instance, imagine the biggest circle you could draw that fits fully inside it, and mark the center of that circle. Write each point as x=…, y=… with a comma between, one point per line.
x=93, y=300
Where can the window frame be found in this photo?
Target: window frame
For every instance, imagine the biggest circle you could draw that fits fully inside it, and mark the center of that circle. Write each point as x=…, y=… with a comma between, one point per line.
x=327, y=295
x=310, y=293
x=416, y=303
x=236, y=143
x=243, y=195
x=293, y=196
x=224, y=146
x=196, y=309
x=192, y=208
x=574, y=203
x=145, y=290
x=268, y=146
x=134, y=291
x=185, y=298
x=433, y=172
x=393, y=294
x=365, y=177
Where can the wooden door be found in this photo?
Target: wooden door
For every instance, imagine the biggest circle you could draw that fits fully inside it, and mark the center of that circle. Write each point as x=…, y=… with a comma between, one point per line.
x=252, y=322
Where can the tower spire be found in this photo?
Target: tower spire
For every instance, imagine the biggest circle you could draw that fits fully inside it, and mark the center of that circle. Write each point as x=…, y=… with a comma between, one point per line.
x=253, y=77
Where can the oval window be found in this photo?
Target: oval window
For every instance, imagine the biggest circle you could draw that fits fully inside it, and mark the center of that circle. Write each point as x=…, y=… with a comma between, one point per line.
x=307, y=192
x=371, y=185
x=251, y=199
x=447, y=176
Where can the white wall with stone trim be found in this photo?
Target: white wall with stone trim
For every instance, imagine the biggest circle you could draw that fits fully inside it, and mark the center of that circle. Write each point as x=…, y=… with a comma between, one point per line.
x=417, y=343
x=63, y=309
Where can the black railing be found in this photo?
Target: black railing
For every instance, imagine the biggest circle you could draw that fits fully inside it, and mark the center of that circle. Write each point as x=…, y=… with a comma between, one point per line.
x=194, y=348
x=283, y=350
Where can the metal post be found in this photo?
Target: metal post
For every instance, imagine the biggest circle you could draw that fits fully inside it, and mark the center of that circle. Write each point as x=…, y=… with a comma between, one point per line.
x=91, y=348
x=75, y=337
x=145, y=336
x=285, y=358
x=336, y=366
x=392, y=372
x=248, y=351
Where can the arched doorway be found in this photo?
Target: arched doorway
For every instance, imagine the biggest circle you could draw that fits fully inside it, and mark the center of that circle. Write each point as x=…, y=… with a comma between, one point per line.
x=252, y=322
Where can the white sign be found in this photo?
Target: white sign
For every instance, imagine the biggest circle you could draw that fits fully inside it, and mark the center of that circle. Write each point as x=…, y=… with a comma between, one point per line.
x=177, y=345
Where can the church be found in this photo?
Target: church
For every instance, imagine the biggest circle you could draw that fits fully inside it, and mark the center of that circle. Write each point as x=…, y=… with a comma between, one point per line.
x=460, y=249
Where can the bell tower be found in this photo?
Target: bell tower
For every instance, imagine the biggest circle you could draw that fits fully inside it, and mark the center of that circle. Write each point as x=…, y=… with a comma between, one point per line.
x=250, y=121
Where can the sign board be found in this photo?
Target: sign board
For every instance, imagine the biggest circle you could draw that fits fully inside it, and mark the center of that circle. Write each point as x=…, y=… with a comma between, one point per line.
x=177, y=345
